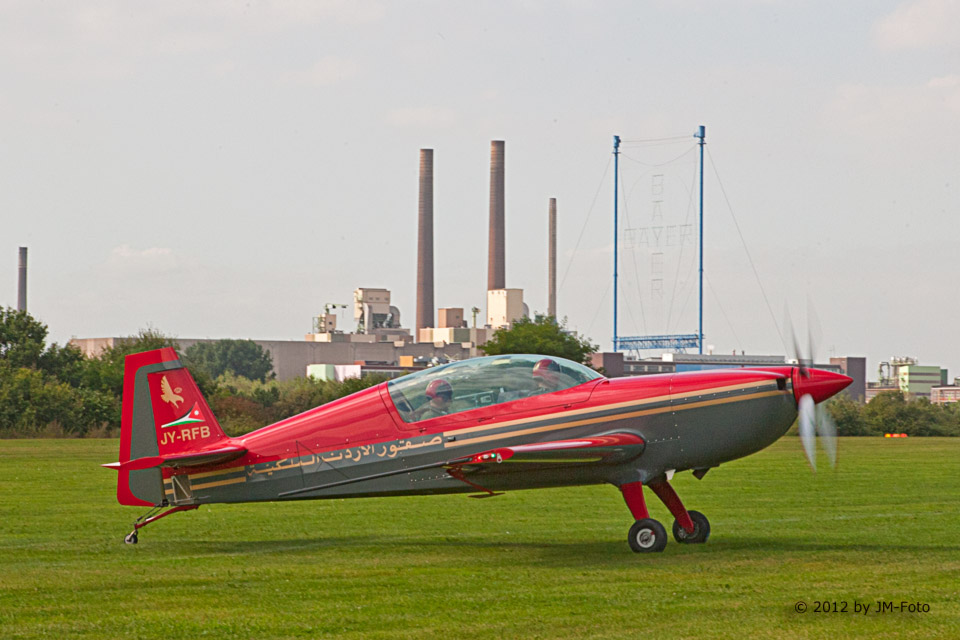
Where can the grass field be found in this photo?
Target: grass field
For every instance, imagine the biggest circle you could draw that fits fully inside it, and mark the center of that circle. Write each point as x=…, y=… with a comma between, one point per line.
x=537, y=564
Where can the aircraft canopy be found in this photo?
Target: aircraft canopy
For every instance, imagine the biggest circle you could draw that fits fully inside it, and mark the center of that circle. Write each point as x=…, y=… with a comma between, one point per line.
x=481, y=382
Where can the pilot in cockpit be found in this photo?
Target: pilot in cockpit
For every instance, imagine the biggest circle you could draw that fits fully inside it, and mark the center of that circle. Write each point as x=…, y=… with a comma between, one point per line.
x=546, y=375
x=440, y=394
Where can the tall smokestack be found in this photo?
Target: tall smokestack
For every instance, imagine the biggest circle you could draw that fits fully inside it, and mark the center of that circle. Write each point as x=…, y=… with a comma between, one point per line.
x=552, y=261
x=425, y=244
x=495, y=265
x=22, y=283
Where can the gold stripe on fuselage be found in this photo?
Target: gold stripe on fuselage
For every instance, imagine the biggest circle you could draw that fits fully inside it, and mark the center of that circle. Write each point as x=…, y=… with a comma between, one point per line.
x=207, y=474
x=617, y=405
x=610, y=418
x=219, y=472
x=221, y=483
x=168, y=484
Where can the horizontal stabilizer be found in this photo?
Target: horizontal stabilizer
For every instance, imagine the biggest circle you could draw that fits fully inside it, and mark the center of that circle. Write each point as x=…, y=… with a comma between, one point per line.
x=177, y=460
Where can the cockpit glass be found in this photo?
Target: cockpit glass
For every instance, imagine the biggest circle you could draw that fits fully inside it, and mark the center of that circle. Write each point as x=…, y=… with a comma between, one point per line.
x=481, y=382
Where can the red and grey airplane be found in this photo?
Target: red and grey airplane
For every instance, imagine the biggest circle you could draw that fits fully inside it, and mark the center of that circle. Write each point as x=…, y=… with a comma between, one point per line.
x=481, y=426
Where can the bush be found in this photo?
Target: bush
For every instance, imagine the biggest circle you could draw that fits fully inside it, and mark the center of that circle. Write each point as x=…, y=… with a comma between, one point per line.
x=33, y=402
x=239, y=357
x=543, y=335
x=891, y=412
x=56, y=392
x=846, y=414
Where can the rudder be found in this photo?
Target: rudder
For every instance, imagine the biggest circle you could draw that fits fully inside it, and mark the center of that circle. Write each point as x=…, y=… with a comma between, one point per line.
x=164, y=416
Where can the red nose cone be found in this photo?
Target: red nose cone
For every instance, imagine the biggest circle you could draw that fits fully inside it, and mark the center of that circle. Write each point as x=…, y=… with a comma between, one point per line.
x=819, y=384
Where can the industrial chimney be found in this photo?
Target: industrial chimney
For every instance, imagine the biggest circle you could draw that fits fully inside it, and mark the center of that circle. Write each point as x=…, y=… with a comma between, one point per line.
x=552, y=260
x=425, y=244
x=22, y=282
x=495, y=265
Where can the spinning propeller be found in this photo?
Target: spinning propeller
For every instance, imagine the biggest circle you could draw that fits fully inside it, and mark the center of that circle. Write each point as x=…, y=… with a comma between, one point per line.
x=811, y=388
x=815, y=421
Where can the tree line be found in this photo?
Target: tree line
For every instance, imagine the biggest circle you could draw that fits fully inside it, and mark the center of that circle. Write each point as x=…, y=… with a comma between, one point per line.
x=56, y=391
x=892, y=412
x=48, y=390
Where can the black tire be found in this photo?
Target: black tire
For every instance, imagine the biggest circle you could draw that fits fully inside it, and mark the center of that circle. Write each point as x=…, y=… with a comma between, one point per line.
x=701, y=529
x=647, y=536
x=131, y=538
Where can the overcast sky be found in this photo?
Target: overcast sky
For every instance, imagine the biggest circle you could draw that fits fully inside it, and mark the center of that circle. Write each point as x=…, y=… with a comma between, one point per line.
x=223, y=169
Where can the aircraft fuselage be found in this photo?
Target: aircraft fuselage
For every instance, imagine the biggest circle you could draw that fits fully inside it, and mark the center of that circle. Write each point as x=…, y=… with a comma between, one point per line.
x=360, y=446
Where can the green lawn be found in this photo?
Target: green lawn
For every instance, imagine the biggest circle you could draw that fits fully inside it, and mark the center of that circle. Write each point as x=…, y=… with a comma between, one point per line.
x=536, y=564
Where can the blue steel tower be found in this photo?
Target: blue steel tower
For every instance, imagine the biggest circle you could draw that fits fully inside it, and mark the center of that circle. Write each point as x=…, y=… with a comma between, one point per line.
x=677, y=342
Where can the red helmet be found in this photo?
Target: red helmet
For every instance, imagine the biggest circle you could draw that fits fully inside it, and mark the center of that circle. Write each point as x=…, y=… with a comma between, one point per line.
x=545, y=365
x=439, y=387
x=547, y=370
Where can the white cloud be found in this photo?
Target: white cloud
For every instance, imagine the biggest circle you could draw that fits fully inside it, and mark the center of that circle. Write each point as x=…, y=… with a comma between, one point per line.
x=324, y=72
x=154, y=258
x=422, y=117
x=107, y=40
x=124, y=251
x=283, y=14
x=944, y=82
x=920, y=24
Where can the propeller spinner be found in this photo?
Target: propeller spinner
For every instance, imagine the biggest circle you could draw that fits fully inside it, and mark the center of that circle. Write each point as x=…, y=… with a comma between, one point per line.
x=811, y=387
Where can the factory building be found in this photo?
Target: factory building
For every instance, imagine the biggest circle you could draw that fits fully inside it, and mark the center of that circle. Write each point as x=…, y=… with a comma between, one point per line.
x=907, y=376
x=944, y=394
x=615, y=365
x=705, y=361
x=376, y=320
x=916, y=381
x=504, y=306
x=379, y=345
x=292, y=357
x=452, y=328
x=340, y=372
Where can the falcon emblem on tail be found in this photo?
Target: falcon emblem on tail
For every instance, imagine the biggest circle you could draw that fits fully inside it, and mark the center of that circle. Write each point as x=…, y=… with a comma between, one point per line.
x=169, y=395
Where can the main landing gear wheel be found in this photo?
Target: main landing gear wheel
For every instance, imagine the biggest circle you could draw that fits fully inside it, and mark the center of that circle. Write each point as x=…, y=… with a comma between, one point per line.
x=131, y=538
x=647, y=536
x=701, y=529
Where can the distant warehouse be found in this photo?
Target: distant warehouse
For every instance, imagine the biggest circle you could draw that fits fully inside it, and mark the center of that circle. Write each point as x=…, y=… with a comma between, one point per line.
x=292, y=357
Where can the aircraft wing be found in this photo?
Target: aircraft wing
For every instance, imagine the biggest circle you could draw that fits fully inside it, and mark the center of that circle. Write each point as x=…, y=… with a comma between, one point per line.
x=609, y=449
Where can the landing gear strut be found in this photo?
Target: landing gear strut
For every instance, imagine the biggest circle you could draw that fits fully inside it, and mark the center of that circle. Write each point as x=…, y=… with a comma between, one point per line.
x=152, y=516
x=648, y=535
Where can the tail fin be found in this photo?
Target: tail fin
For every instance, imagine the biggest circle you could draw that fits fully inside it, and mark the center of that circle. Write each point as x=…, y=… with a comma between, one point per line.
x=165, y=422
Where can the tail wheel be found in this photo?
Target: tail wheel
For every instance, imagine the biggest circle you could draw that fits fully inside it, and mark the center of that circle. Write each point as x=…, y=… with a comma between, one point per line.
x=701, y=529
x=647, y=536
